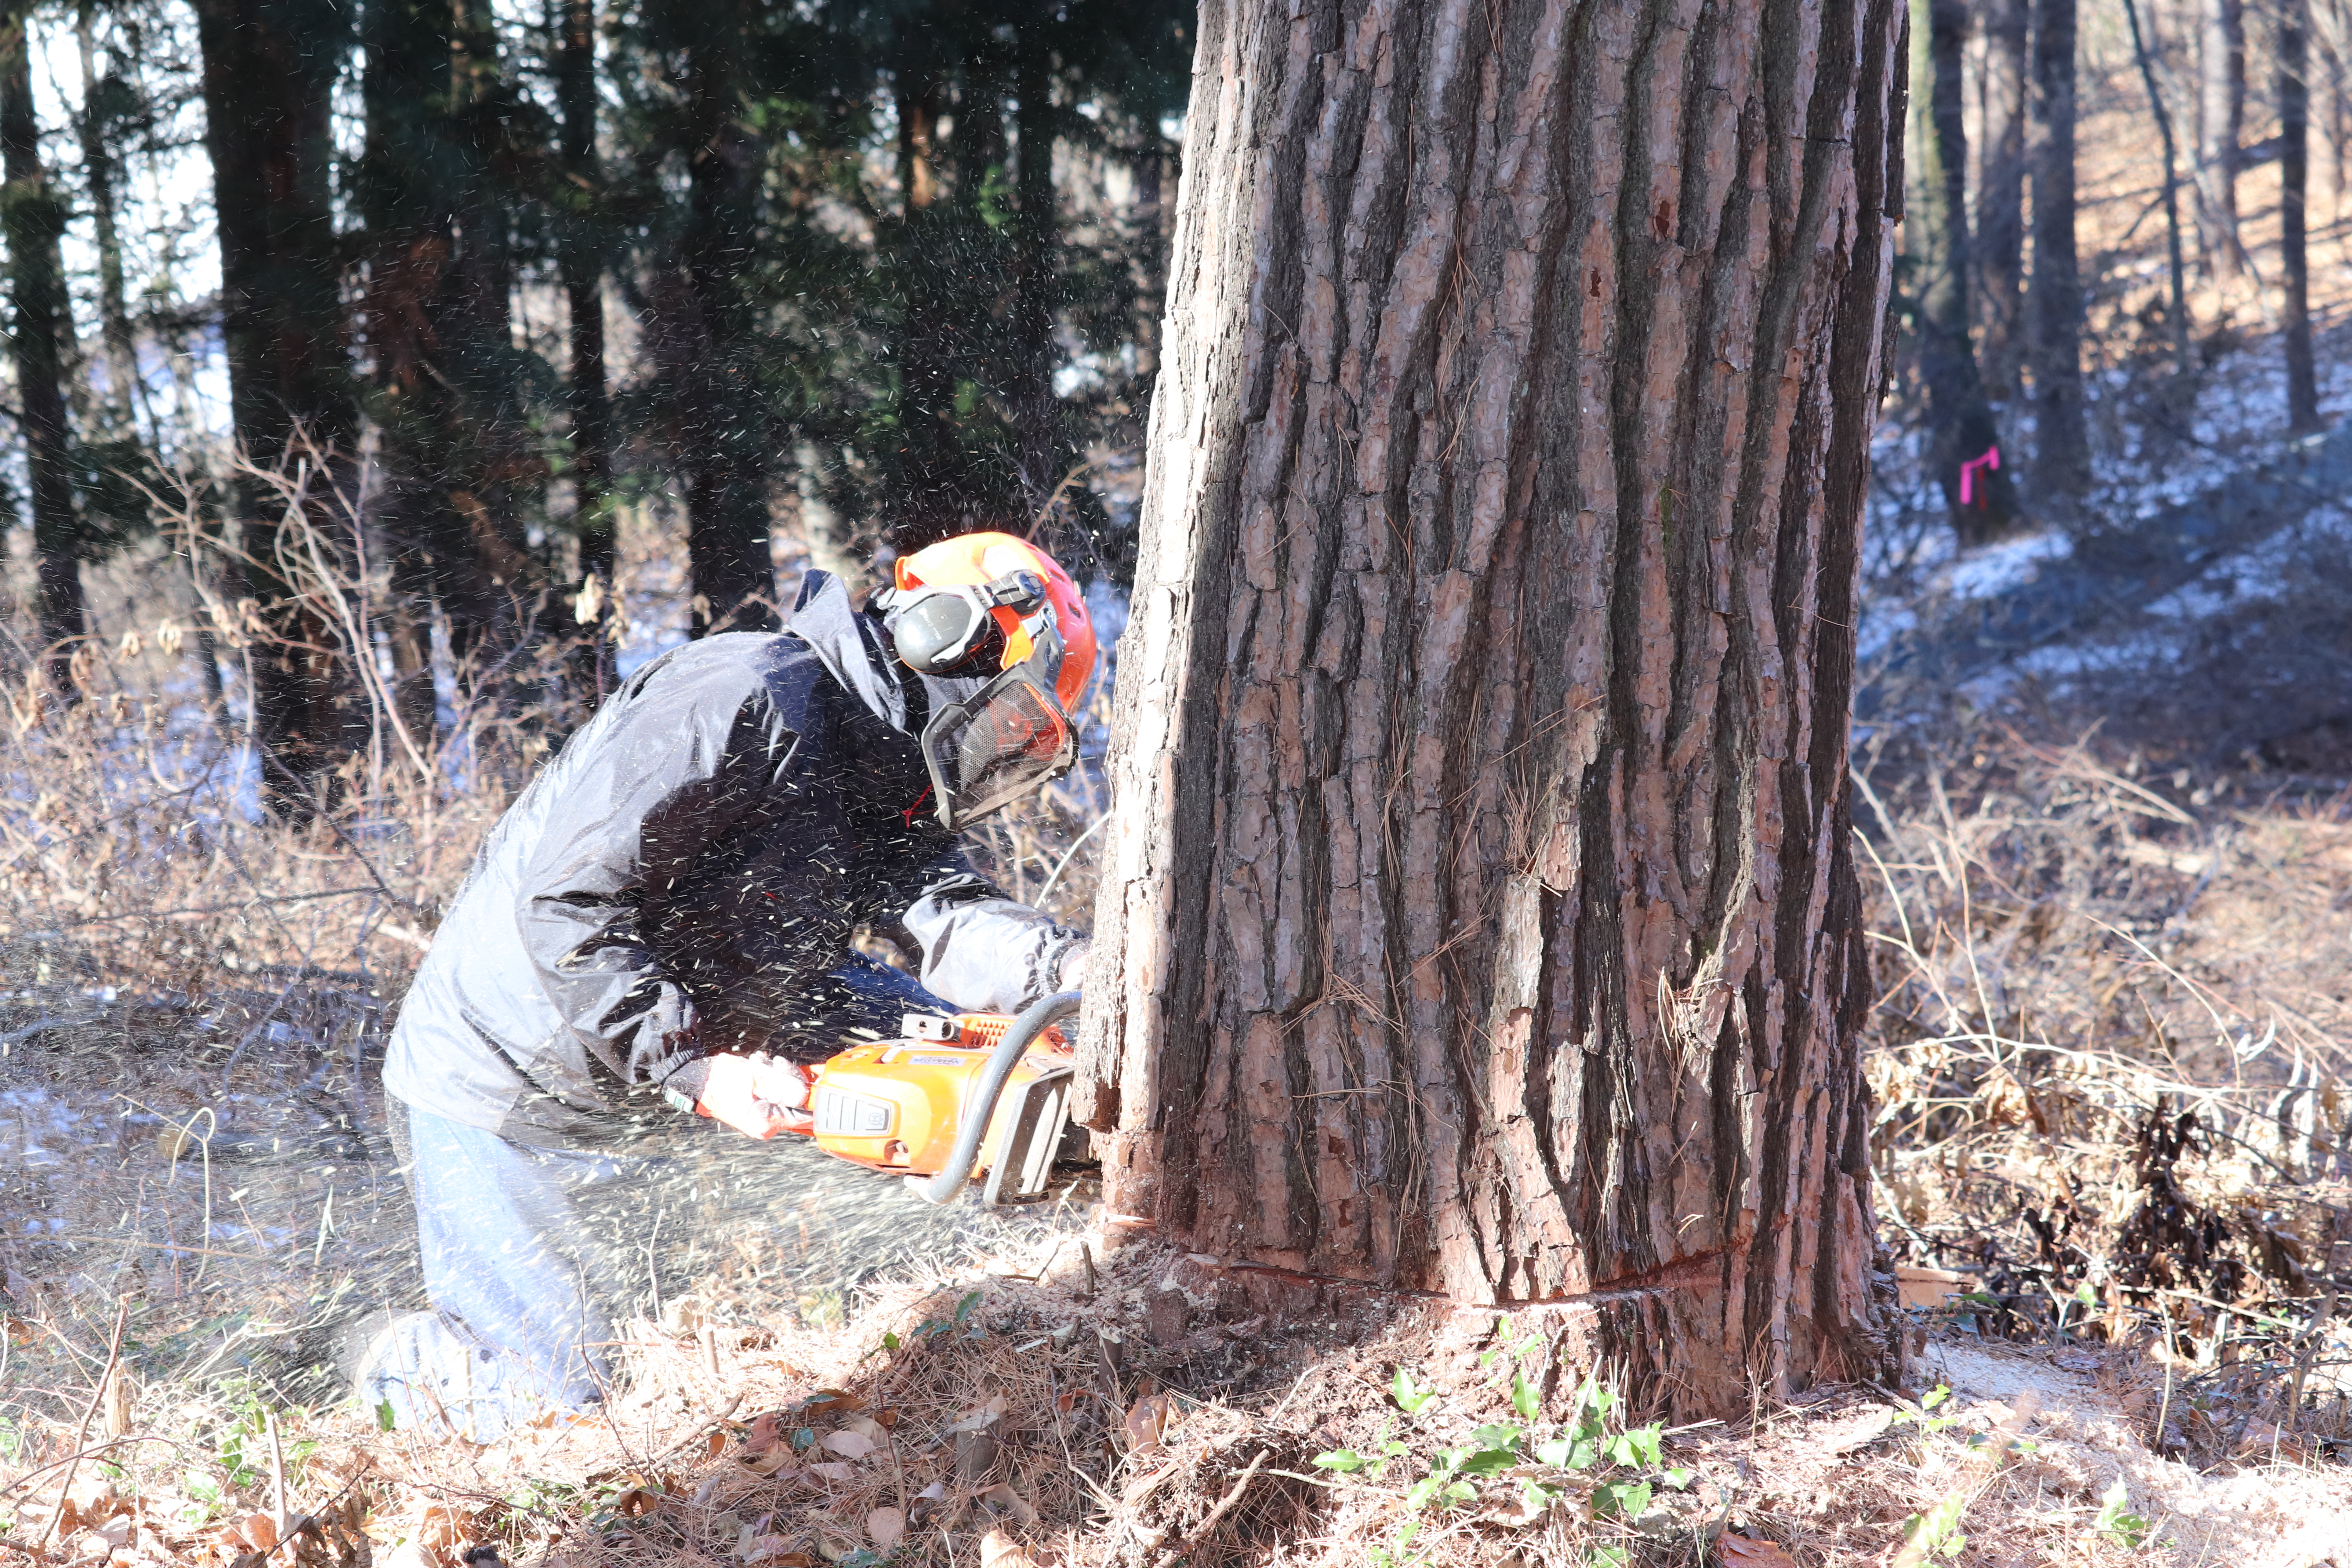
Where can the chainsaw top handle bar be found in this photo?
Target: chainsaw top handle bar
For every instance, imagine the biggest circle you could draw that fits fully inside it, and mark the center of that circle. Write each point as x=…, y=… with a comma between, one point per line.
x=943, y=1187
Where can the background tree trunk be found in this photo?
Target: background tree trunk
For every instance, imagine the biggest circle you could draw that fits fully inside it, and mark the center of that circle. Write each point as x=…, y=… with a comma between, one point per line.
x=2294, y=250
x=724, y=461
x=579, y=193
x=34, y=216
x=1043, y=455
x=582, y=265
x=1961, y=425
x=2001, y=193
x=104, y=103
x=2184, y=365
x=1478, y=913
x=2062, y=470
x=2221, y=125
x=269, y=71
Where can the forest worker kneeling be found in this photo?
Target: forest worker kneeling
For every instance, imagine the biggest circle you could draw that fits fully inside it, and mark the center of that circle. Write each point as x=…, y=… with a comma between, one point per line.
x=666, y=915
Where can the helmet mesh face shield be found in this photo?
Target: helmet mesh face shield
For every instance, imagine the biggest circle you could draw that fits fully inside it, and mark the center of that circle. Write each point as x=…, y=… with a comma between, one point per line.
x=991, y=749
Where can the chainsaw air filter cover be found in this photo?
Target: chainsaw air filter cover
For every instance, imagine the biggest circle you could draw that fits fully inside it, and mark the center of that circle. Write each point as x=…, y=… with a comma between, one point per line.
x=897, y=1105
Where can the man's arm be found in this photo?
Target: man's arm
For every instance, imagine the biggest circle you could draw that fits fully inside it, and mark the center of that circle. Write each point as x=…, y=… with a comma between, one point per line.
x=981, y=950
x=681, y=768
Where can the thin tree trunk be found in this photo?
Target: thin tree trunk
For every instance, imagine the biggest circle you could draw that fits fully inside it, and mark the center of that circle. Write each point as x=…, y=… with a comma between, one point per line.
x=1963, y=434
x=99, y=98
x=595, y=511
x=452, y=442
x=2294, y=257
x=2333, y=30
x=1481, y=917
x=2221, y=126
x=1036, y=411
x=2061, y=471
x=269, y=78
x=924, y=509
x=724, y=457
x=582, y=267
x=2001, y=201
x=34, y=216
x=2183, y=357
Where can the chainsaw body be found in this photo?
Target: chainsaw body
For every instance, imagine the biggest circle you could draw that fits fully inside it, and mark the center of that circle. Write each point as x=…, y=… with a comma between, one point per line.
x=899, y=1106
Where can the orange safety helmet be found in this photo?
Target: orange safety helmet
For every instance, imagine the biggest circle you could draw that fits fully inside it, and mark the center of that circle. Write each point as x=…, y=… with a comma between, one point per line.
x=978, y=598
x=976, y=559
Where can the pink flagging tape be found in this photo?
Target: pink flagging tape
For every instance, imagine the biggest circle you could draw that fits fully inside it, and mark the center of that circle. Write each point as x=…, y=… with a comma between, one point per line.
x=1992, y=459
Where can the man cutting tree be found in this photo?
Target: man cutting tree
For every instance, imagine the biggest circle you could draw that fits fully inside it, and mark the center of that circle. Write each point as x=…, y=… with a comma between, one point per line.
x=664, y=920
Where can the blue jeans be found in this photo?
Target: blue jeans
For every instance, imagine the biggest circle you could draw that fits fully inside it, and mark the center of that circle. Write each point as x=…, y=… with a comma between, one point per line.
x=534, y=1256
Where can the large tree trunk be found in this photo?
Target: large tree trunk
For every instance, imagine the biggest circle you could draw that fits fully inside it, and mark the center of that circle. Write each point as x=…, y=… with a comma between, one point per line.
x=2000, y=193
x=1962, y=436
x=2294, y=250
x=2062, y=470
x=269, y=71
x=1479, y=912
x=34, y=216
x=2221, y=125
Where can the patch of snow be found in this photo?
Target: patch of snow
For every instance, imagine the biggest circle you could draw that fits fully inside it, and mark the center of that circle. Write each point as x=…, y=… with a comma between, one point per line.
x=1997, y=568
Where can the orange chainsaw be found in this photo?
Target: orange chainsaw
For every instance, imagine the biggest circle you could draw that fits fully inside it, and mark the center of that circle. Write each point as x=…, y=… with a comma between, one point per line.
x=978, y=1091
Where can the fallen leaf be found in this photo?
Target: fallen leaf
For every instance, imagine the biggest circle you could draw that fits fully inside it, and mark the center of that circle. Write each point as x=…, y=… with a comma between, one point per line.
x=257, y=1531
x=829, y=1402
x=884, y=1526
x=833, y=1548
x=441, y=1527
x=849, y=1445
x=1849, y=1433
x=834, y=1472
x=998, y=1550
x=1002, y=1497
x=1919, y=1287
x=1146, y=1422
x=973, y=1420
x=863, y=1425
x=1747, y=1551
x=765, y=1433
x=766, y=1549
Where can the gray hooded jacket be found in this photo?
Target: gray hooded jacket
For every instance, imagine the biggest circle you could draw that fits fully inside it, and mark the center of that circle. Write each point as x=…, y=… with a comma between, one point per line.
x=689, y=866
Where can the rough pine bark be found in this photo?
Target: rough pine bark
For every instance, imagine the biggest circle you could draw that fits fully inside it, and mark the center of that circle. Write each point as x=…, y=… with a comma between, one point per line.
x=1479, y=913
x=34, y=216
x=2062, y=466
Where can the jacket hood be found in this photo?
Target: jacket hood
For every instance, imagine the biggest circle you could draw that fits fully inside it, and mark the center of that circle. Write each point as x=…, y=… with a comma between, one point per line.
x=855, y=648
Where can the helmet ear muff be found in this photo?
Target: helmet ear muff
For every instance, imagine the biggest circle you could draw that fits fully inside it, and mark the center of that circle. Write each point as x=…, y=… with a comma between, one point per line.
x=946, y=632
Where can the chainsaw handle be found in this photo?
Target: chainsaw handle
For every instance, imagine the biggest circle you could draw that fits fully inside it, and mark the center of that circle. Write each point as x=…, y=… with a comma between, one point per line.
x=981, y=1111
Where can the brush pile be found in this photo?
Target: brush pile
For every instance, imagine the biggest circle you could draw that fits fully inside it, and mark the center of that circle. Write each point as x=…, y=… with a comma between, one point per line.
x=2113, y=1072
